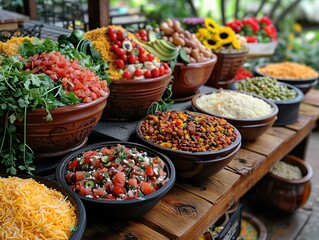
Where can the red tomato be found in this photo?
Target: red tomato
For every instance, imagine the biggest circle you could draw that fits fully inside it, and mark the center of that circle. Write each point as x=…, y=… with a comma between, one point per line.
x=147, y=188
x=142, y=58
x=124, y=58
x=149, y=171
x=114, y=47
x=142, y=32
x=155, y=72
x=138, y=72
x=85, y=191
x=110, y=30
x=132, y=182
x=119, y=63
x=118, y=190
x=99, y=192
x=120, y=52
x=72, y=166
x=131, y=59
x=127, y=75
x=141, y=50
x=120, y=36
x=147, y=74
x=79, y=175
x=119, y=179
x=161, y=70
x=150, y=57
x=113, y=37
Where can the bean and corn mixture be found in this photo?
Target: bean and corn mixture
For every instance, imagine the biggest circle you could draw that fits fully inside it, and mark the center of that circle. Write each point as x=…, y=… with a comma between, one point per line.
x=188, y=131
x=288, y=70
x=266, y=87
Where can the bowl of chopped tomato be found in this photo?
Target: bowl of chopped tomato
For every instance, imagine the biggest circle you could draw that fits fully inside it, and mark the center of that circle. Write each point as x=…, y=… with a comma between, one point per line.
x=199, y=145
x=121, y=179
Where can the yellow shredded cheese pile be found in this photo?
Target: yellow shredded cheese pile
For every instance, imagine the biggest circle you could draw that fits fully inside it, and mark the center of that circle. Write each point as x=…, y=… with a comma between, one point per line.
x=10, y=47
x=30, y=210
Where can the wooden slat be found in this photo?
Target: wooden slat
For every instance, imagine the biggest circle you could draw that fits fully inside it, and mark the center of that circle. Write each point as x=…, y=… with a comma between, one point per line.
x=312, y=97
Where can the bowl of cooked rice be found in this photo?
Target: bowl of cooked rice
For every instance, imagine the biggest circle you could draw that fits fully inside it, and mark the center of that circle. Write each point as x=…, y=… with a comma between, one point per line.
x=252, y=115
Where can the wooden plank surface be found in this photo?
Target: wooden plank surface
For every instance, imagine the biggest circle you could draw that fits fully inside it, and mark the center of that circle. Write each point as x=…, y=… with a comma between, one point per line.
x=190, y=208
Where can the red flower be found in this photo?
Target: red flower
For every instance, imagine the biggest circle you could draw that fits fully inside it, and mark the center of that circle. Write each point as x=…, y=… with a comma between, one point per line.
x=266, y=20
x=242, y=74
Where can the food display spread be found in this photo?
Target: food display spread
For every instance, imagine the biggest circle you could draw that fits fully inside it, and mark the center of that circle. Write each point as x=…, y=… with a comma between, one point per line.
x=80, y=69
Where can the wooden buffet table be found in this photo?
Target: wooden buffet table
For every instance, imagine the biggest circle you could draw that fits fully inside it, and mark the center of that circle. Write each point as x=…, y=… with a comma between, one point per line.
x=11, y=20
x=190, y=208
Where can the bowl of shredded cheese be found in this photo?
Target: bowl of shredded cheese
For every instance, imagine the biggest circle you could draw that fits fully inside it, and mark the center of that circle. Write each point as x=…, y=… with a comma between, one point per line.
x=252, y=115
x=38, y=208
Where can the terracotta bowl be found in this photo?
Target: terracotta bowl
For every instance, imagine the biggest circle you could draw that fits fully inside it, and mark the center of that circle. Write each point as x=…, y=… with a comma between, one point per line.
x=257, y=224
x=285, y=194
x=119, y=209
x=130, y=99
x=195, y=165
x=250, y=129
x=304, y=84
x=188, y=78
x=288, y=110
x=226, y=68
x=68, y=131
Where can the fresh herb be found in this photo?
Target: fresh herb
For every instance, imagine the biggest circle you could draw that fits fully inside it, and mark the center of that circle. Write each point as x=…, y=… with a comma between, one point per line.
x=163, y=104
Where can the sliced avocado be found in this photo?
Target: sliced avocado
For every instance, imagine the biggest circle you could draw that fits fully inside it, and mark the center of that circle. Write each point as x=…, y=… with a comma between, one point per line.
x=184, y=56
x=152, y=36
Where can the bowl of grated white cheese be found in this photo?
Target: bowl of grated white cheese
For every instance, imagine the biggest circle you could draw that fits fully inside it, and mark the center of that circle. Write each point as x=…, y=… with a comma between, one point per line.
x=252, y=115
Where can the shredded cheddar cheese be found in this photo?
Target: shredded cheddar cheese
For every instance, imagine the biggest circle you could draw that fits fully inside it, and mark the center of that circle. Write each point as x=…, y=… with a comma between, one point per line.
x=30, y=210
x=10, y=47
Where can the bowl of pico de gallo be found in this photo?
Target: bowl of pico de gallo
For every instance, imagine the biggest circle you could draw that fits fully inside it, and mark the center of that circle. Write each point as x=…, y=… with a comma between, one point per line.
x=121, y=179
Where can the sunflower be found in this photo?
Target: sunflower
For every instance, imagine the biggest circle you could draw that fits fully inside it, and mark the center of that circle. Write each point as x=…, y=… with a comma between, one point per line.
x=202, y=33
x=210, y=24
x=236, y=44
x=212, y=42
x=226, y=34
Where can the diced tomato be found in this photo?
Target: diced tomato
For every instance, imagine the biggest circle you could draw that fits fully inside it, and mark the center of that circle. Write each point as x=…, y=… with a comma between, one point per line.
x=147, y=188
x=99, y=192
x=118, y=190
x=79, y=175
x=86, y=191
x=73, y=165
x=119, y=179
x=149, y=171
x=133, y=182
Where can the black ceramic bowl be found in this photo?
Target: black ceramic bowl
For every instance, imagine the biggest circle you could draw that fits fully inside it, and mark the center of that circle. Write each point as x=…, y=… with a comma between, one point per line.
x=304, y=84
x=288, y=110
x=249, y=128
x=71, y=196
x=196, y=165
x=119, y=209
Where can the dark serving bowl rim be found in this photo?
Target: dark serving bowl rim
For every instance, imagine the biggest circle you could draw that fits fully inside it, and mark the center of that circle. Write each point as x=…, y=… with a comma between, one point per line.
x=62, y=165
x=297, y=99
x=207, y=153
x=292, y=80
x=81, y=216
x=270, y=116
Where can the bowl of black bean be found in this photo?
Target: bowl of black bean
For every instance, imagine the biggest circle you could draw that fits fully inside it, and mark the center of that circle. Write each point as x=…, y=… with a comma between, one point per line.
x=286, y=96
x=198, y=144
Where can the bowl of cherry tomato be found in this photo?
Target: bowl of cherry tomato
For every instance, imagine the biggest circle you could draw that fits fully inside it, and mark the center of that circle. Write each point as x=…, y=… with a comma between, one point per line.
x=121, y=179
x=138, y=78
